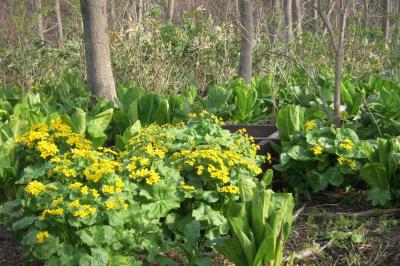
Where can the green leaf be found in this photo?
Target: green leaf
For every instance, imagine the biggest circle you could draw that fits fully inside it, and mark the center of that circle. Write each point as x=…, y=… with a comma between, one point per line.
x=23, y=223
x=99, y=123
x=378, y=196
x=78, y=120
x=160, y=199
x=290, y=119
x=375, y=175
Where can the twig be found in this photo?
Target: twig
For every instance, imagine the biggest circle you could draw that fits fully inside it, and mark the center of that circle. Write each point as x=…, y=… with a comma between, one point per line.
x=308, y=252
x=296, y=61
x=373, y=212
x=297, y=213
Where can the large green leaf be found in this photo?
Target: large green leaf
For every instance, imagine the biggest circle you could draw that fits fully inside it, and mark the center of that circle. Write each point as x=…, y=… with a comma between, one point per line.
x=290, y=119
x=375, y=175
x=99, y=123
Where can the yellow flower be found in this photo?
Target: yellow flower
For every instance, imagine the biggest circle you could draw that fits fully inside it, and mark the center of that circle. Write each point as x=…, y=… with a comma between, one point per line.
x=347, y=144
x=341, y=160
x=310, y=124
x=200, y=169
x=269, y=158
x=187, y=187
x=119, y=185
x=35, y=188
x=85, y=190
x=58, y=211
x=74, y=204
x=41, y=236
x=95, y=193
x=153, y=178
x=47, y=149
x=57, y=201
x=352, y=164
x=229, y=189
x=75, y=185
x=111, y=205
x=109, y=189
x=83, y=211
x=317, y=150
x=192, y=115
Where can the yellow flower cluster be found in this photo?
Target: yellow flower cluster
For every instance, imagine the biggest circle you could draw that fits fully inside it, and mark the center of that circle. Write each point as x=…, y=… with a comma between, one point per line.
x=317, y=150
x=58, y=211
x=351, y=163
x=187, y=187
x=81, y=210
x=229, y=189
x=57, y=201
x=65, y=170
x=347, y=144
x=215, y=161
x=310, y=124
x=75, y=185
x=35, y=188
x=109, y=189
x=137, y=168
x=99, y=168
x=115, y=202
x=41, y=236
x=36, y=133
x=154, y=151
x=47, y=149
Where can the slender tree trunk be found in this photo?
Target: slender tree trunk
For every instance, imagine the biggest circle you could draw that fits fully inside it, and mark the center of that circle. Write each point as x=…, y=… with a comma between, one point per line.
x=246, y=45
x=59, y=24
x=315, y=16
x=339, y=60
x=170, y=10
x=97, y=49
x=386, y=21
x=40, y=20
x=298, y=16
x=365, y=4
x=289, y=22
x=140, y=10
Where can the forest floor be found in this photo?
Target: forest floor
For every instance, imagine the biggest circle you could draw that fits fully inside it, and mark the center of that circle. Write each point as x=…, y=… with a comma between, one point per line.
x=341, y=229
x=331, y=229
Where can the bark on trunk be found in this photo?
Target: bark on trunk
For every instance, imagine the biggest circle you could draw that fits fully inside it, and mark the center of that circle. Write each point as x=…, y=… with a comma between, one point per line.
x=97, y=49
x=40, y=20
x=140, y=10
x=386, y=21
x=298, y=17
x=59, y=24
x=246, y=45
x=170, y=11
x=315, y=16
x=339, y=60
x=289, y=22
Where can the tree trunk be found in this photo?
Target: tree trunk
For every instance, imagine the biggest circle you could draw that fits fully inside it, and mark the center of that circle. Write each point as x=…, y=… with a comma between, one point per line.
x=365, y=4
x=40, y=20
x=298, y=16
x=97, y=49
x=339, y=60
x=170, y=10
x=386, y=20
x=140, y=10
x=246, y=45
x=289, y=23
x=315, y=16
x=59, y=24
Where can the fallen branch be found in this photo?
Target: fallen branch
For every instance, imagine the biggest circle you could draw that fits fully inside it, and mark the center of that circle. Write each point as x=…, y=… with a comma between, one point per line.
x=373, y=212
